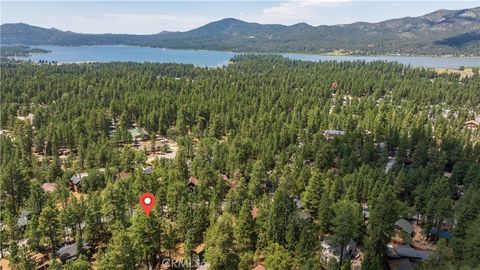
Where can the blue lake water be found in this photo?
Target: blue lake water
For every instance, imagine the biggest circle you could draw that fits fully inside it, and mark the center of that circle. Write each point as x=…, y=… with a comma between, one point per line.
x=63, y=54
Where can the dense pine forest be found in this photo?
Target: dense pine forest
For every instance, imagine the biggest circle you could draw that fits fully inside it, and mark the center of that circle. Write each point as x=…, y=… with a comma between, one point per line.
x=278, y=164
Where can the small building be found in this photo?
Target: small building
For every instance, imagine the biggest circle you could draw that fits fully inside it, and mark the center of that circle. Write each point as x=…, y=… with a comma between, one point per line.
x=147, y=170
x=437, y=233
x=49, y=187
x=332, y=251
x=22, y=220
x=76, y=181
x=403, y=224
x=406, y=251
x=192, y=181
x=138, y=134
x=331, y=134
x=68, y=252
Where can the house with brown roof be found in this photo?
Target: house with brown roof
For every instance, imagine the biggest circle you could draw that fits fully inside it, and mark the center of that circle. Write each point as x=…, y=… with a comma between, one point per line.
x=49, y=187
x=192, y=181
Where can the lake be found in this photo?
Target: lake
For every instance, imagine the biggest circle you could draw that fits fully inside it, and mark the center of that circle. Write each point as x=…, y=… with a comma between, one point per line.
x=79, y=54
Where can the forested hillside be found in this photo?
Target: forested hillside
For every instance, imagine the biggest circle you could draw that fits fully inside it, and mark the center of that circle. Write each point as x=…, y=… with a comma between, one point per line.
x=442, y=32
x=274, y=157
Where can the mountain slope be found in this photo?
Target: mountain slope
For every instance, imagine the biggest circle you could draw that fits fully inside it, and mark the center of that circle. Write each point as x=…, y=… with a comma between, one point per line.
x=439, y=32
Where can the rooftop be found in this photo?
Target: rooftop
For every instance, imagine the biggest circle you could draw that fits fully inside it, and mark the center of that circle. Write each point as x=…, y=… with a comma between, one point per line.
x=23, y=218
x=400, y=264
x=334, y=132
x=49, y=187
x=405, y=225
x=69, y=251
x=405, y=251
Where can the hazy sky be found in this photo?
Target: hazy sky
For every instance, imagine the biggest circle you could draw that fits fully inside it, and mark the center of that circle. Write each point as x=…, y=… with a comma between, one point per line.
x=156, y=16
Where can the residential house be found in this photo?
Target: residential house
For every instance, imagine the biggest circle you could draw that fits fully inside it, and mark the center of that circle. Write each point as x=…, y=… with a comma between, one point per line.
x=49, y=187
x=406, y=251
x=68, y=252
x=22, y=220
x=147, y=170
x=76, y=181
x=437, y=233
x=330, y=134
x=403, y=224
x=330, y=250
x=192, y=181
x=138, y=134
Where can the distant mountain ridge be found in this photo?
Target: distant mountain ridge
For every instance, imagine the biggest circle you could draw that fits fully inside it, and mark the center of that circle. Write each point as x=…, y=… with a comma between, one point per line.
x=441, y=32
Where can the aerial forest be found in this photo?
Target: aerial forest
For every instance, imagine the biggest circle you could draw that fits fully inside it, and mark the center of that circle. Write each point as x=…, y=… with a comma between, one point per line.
x=272, y=157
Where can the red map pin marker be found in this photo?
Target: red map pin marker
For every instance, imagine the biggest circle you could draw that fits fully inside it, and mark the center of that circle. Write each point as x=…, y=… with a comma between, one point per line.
x=147, y=201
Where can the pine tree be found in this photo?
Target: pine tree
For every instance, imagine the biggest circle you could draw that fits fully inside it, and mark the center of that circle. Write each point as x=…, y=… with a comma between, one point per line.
x=49, y=224
x=277, y=257
x=346, y=224
x=120, y=253
x=219, y=244
x=244, y=230
x=384, y=214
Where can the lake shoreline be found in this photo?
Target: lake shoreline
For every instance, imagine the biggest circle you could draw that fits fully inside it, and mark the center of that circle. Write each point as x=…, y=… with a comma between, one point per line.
x=272, y=52
x=211, y=58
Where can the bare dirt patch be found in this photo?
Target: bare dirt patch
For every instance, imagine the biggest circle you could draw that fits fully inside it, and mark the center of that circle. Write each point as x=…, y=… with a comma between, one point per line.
x=419, y=241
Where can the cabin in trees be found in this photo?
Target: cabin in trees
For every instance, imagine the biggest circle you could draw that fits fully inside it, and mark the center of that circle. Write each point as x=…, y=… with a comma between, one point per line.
x=138, y=134
x=49, y=187
x=192, y=182
x=22, y=220
x=404, y=257
x=330, y=250
x=436, y=233
x=147, y=170
x=331, y=134
x=403, y=224
x=70, y=251
x=76, y=181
